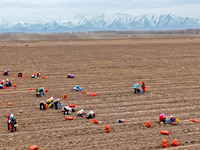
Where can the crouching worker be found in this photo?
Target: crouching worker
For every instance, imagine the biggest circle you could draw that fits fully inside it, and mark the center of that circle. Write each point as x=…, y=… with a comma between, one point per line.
x=57, y=104
x=162, y=118
x=19, y=75
x=12, y=123
x=1, y=86
x=43, y=105
x=173, y=120
x=90, y=115
x=77, y=88
x=50, y=102
x=2, y=82
x=137, y=90
x=8, y=83
x=67, y=110
x=35, y=75
x=5, y=73
x=39, y=92
x=70, y=76
x=80, y=113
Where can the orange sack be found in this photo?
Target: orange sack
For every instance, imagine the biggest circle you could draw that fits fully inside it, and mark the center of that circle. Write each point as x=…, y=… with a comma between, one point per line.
x=164, y=132
x=10, y=104
x=148, y=124
x=46, y=90
x=72, y=105
x=107, y=129
x=174, y=143
x=95, y=121
x=34, y=147
x=194, y=120
x=68, y=118
x=164, y=143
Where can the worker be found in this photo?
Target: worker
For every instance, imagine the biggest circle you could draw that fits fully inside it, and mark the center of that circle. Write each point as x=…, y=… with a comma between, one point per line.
x=1, y=86
x=2, y=82
x=19, y=75
x=35, y=75
x=12, y=123
x=137, y=90
x=8, y=118
x=162, y=118
x=80, y=113
x=77, y=88
x=5, y=73
x=42, y=105
x=90, y=115
x=48, y=101
x=172, y=119
x=56, y=103
x=70, y=76
x=143, y=88
x=8, y=83
x=67, y=110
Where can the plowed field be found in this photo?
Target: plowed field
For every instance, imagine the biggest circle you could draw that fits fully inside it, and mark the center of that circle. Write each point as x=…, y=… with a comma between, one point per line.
x=169, y=66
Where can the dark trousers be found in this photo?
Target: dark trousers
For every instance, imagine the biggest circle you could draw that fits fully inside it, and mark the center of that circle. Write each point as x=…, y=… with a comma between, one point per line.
x=13, y=128
x=56, y=105
x=42, y=107
x=137, y=91
x=164, y=120
x=65, y=111
x=89, y=116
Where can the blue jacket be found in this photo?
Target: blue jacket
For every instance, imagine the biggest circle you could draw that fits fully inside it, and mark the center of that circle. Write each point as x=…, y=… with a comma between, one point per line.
x=135, y=86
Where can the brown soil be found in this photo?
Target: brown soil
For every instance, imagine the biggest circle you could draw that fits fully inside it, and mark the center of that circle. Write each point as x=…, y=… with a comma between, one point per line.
x=110, y=67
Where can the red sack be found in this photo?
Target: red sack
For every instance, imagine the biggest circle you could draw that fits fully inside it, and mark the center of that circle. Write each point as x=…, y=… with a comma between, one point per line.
x=164, y=132
x=164, y=143
x=174, y=143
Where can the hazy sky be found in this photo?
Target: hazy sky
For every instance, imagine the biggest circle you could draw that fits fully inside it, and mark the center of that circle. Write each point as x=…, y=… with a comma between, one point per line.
x=61, y=9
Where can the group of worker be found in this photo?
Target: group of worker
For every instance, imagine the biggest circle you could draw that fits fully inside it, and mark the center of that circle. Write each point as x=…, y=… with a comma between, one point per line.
x=138, y=90
x=77, y=88
x=7, y=84
x=171, y=120
x=35, y=75
x=67, y=110
x=39, y=91
x=50, y=103
x=70, y=76
x=89, y=115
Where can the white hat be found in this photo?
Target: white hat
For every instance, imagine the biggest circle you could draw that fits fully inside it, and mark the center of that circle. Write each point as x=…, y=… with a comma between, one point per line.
x=51, y=98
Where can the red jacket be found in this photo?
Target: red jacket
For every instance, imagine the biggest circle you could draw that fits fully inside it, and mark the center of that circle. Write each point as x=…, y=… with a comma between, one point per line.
x=8, y=117
x=143, y=87
x=161, y=118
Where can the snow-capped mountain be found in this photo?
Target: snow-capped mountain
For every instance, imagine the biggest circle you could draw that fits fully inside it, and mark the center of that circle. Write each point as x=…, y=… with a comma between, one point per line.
x=117, y=22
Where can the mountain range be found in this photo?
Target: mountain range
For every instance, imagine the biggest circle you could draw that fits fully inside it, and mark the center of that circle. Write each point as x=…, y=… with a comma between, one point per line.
x=116, y=22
